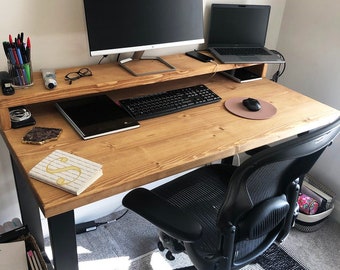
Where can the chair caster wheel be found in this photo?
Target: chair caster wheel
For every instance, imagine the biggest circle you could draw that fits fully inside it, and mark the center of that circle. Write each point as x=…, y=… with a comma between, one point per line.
x=169, y=256
x=160, y=246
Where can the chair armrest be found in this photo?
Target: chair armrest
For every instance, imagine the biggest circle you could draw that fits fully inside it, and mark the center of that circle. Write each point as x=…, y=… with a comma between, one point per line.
x=167, y=217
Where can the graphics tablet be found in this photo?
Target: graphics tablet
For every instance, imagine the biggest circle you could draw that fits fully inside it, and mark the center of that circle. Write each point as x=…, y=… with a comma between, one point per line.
x=96, y=116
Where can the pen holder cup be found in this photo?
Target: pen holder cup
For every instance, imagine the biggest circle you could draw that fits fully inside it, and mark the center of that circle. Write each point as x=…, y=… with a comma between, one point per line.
x=22, y=74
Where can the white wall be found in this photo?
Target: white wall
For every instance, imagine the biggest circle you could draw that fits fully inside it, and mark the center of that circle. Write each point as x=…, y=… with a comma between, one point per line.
x=310, y=41
x=8, y=196
x=58, y=36
x=58, y=32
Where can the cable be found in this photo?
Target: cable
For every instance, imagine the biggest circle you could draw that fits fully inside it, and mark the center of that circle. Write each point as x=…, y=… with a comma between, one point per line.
x=118, y=56
x=101, y=59
x=113, y=220
x=215, y=68
x=92, y=225
x=19, y=114
x=279, y=73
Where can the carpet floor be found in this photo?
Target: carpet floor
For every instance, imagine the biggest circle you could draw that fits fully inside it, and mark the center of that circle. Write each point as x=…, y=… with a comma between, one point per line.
x=273, y=259
x=130, y=243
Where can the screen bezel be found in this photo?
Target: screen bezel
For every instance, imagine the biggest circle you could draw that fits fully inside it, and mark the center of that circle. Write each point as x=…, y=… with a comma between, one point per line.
x=95, y=51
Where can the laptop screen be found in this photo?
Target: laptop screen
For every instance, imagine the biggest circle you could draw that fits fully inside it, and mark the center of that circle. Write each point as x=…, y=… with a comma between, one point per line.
x=238, y=25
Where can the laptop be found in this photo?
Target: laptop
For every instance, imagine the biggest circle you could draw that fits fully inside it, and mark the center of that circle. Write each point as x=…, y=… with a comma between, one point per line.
x=237, y=34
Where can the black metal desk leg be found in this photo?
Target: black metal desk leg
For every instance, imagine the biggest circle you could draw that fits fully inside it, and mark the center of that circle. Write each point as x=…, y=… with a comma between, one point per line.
x=28, y=206
x=63, y=241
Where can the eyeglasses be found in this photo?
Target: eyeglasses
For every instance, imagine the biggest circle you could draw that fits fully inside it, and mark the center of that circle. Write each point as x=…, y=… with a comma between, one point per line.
x=72, y=76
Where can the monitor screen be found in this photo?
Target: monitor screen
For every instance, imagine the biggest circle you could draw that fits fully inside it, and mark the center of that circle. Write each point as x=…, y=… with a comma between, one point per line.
x=137, y=25
x=238, y=24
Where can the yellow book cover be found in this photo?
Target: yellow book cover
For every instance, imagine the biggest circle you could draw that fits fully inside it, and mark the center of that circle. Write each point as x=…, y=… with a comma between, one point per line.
x=67, y=171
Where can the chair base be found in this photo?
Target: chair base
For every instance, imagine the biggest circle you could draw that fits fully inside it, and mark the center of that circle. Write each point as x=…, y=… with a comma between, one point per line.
x=171, y=244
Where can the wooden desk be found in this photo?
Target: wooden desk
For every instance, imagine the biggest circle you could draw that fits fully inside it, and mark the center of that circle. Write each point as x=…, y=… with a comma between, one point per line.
x=110, y=77
x=160, y=147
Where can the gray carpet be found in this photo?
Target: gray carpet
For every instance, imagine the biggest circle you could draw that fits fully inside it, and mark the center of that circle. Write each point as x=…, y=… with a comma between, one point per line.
x=132, y=241
x=131, y=244
x=115, y=239
x=137, y=244
x=316, y=250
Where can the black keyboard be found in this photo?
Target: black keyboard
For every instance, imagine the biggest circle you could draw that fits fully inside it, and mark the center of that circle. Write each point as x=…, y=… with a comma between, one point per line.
x=242, y=51
x=172, y=101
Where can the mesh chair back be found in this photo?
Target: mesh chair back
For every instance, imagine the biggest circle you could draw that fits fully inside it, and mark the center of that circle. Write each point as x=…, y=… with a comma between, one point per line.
x=266, y=175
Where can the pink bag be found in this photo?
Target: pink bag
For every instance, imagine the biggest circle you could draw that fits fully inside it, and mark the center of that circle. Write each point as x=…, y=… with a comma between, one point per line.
x=307, y=204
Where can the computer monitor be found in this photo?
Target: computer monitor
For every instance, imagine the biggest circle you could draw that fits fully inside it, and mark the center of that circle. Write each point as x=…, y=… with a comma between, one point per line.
x=137, y=25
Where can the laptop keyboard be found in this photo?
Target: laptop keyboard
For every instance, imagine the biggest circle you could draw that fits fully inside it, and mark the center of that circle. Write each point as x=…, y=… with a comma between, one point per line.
x=242, y=51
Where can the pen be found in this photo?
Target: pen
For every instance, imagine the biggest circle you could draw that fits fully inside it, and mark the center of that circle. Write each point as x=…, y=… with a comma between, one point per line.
x=15, y=54
x=34, y=260
x=28, y=59
x=10, y=39
x=5, y=44
x=28, y=72
x=11, y=56
x=37, y=260
x=23, y=53
x=31, y=260
x=19, y=56
x=23, y=68
x=28, y=49
x=18, y=69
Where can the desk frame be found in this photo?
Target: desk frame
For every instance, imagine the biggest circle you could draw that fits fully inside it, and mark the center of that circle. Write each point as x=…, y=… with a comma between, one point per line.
x=61, y=227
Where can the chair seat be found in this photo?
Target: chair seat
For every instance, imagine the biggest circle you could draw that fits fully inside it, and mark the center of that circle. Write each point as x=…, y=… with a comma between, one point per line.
x=201, y=194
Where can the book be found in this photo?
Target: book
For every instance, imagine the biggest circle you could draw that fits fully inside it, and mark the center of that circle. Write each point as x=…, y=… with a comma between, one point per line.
x=96, y=116
x=324, y=195
x=241, y=75
x=326, y=199
x=66, y=171
x=13, y=255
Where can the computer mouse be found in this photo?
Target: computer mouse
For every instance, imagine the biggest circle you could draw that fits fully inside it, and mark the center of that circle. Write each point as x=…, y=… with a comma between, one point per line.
x=251, y=104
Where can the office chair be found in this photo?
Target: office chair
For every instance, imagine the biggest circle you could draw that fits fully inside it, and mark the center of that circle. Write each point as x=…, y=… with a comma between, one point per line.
x=224, y=217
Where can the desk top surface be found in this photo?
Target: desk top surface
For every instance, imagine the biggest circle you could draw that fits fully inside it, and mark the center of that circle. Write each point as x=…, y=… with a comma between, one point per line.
x=170, y=144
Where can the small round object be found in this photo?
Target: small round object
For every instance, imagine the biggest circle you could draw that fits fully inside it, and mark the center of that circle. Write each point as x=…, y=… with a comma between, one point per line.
x=169, y=256
x=252, y=104
x=160, y=246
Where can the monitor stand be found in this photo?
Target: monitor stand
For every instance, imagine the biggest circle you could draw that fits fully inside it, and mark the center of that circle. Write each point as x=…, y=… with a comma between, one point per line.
x=137, y=64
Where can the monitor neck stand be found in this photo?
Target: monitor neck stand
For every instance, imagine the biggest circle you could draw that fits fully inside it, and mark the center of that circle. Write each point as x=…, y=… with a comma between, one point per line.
x=137, y=64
